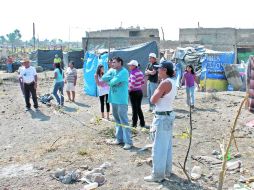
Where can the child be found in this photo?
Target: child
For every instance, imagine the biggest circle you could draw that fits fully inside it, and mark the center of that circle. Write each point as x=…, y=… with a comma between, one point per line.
x=189, y=79
x=103, y=90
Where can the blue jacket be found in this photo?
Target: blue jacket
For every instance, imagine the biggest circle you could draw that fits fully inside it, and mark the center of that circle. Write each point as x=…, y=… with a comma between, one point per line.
x=118, y=82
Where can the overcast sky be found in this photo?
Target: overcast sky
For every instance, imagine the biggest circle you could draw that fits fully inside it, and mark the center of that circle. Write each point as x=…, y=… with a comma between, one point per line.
x=54, y=18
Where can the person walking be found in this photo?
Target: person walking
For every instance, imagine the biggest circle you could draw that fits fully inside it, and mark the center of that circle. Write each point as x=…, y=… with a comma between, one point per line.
x=71, y=81
x=189, y=79
x=103, y=90
x=28, y=76
x=136, y=80
x=152, y=80
x=117, y=78
x=58, y=84
x=162, y=125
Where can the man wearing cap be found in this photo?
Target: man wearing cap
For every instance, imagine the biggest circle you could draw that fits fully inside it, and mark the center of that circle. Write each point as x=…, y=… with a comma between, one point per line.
x=136, y=80
x=162, y=125
x=29, y=77
x=152, y=79
x=57, y=59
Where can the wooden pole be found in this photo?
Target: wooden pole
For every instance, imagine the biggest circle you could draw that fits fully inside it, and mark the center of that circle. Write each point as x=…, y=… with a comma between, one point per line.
x=223, y=168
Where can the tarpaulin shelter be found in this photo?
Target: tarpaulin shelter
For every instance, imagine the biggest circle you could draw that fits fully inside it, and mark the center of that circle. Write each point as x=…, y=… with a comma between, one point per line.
x=75, y=56
x=138, y=52
x=45, y=58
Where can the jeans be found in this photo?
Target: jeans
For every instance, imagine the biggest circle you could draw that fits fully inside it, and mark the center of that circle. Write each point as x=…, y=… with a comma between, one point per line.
x=59, y=87
x=9, y=68
x=30, y=89
x=151, y=87
x=190, y=95
x=136, y=100
x=178, y=75
x=162, y=127
x=120, y=113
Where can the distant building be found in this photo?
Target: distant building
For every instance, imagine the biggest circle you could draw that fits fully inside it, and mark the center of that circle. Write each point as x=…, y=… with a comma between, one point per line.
x=119, y=38
x=241, y=41
x=221, y=39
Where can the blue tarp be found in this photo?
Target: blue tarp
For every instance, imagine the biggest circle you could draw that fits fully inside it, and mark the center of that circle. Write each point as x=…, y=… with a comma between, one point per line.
x=138, y=52
x=90, y=66
x=91, y=61
x=212, y=64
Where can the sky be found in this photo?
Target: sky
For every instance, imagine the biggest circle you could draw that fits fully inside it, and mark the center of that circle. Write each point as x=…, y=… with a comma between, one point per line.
x=69, y=20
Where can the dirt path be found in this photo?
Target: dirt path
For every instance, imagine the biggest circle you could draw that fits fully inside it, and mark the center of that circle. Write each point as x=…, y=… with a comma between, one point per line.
x=27, y=156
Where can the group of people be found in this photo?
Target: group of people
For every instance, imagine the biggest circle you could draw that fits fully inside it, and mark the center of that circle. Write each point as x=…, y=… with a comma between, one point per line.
x=28, y=82
x=116, y=87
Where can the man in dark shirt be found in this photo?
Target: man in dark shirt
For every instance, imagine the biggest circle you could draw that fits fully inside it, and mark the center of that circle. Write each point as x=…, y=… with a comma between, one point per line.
x=152, y=80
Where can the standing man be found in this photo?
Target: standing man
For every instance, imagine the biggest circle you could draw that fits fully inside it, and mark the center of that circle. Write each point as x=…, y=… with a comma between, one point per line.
x=117, y=78
x=152, y=80
x=71, y=80
x=9, y=64
x=162, y=125
x=29, y=77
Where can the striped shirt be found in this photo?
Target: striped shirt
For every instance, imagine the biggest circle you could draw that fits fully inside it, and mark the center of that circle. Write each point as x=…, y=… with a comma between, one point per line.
x=136, y=80
x=70, y=74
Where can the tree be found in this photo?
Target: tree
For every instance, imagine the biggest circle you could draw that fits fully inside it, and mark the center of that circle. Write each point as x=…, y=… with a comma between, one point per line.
x=2, y=39
x=14, y=37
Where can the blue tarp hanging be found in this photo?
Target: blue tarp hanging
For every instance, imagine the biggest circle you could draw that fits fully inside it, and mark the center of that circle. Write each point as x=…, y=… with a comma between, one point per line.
x=90, y=66
x=212, y=64
x=138, y=52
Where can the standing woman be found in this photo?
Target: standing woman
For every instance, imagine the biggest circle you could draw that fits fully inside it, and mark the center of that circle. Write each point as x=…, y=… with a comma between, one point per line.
x=103, y=90
x=189, y=79
x=58, y=84
x=162, y=126
x=136, y=80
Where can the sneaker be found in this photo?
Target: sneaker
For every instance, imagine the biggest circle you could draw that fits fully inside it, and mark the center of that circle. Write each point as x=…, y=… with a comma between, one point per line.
x=127, y=146
x=150, y=178
x=114, y=142
x=27, y=109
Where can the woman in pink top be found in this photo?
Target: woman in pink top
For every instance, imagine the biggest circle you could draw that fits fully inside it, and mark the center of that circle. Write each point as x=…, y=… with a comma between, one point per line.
x=189, y=79
x=103, y=90
x=136, y=80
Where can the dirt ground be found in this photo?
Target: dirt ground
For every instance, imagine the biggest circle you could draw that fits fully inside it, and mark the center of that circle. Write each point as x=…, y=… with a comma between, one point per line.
x=34, y=144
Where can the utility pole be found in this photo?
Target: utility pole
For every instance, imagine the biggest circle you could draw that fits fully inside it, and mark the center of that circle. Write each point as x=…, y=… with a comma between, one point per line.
x=34, y=34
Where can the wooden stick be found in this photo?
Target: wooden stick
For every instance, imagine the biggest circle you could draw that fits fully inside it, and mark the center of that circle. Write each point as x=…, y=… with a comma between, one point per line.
x=223, y=168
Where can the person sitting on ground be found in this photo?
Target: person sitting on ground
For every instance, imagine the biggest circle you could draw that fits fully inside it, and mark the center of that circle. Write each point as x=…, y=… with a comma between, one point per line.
x=70, y=81
x=162, y=125
x=28, y=76
x=102, y=90
x=136, y=80
x=58, y=84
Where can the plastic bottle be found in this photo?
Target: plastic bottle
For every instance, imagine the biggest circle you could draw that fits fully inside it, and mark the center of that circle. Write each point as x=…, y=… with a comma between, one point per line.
x=90, y=186
x=230, y=87
x=229, y=154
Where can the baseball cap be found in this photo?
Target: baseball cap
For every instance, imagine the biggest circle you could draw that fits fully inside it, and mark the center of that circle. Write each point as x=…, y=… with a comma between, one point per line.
x=166, y=64
x=152, y=55
x=133, y=62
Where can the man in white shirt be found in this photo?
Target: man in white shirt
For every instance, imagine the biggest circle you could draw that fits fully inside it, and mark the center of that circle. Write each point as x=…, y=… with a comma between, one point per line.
x=29, y=77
